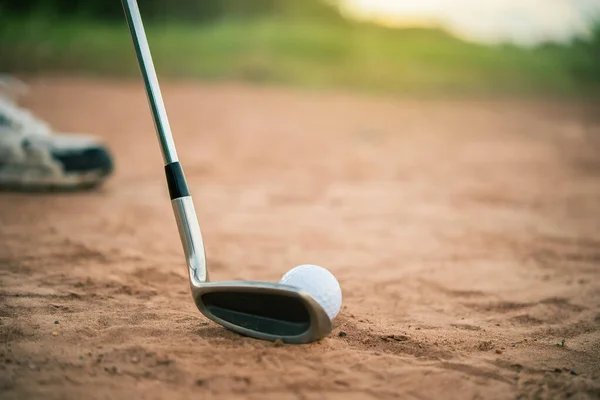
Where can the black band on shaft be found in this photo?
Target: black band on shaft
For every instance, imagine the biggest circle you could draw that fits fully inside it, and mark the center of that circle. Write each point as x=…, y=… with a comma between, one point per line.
x=176, y=181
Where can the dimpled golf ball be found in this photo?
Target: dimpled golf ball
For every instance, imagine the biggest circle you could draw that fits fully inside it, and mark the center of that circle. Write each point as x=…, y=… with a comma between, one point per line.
x=319, y=283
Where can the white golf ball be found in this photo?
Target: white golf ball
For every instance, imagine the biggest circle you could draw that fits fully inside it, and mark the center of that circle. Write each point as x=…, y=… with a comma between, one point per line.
x=319, y=283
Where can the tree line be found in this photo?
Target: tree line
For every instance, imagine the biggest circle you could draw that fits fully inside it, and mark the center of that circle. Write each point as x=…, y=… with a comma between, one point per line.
x=192, y=10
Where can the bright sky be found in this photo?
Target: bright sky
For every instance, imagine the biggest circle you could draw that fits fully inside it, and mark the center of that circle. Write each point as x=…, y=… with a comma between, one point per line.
x=521, y=21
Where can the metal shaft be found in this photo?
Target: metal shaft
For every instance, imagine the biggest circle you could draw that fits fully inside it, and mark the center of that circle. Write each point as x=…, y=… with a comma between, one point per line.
x=181, y=200
x=159, y=113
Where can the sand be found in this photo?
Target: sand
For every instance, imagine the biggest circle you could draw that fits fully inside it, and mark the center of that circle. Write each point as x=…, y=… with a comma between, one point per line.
x=465, y=236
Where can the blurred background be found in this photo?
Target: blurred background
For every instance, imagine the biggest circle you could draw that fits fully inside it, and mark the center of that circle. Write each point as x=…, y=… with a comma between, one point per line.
x=400, y=47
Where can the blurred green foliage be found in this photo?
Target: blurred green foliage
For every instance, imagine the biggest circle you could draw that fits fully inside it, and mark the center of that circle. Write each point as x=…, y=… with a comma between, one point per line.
x=181, y=10
x=587, y=65
x=305, y=43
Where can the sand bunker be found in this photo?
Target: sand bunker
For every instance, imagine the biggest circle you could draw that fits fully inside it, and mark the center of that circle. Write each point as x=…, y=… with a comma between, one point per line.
x=465, y=236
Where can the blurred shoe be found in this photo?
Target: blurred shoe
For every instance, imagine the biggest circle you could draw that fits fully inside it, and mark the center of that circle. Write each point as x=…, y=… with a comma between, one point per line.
x=33, y=157
x=11, y=87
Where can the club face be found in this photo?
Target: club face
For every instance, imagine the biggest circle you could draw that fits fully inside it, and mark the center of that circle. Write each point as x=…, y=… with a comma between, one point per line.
x=263, y=310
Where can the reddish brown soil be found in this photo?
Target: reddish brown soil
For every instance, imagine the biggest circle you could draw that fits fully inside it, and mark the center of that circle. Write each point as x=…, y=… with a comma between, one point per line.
x=465, y=235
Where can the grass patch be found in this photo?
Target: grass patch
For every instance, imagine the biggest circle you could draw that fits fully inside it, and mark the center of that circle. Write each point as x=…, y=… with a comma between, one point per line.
x=303, y=53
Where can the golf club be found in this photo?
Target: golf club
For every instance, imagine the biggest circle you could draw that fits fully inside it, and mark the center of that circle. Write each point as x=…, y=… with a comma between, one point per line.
x=263, y=310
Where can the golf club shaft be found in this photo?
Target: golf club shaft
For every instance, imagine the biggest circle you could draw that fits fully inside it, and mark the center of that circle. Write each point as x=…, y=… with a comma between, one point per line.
x=157, y=105
x=181, y=200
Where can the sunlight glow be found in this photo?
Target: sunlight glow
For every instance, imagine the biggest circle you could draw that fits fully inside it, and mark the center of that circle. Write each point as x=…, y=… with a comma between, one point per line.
x=525, y=22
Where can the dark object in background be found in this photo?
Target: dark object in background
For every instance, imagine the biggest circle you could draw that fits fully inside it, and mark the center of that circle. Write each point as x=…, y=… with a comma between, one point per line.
x=193, y=10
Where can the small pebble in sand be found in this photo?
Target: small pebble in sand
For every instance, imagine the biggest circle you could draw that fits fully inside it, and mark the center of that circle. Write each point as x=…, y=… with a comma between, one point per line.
x=56, y=322
x=54, y=333
x=342, y=334
x=573, y=372
x=112, y=370
x=278, y=343
x=397, y=338
x=135, y=360
x=498, y=351
x=485, y=345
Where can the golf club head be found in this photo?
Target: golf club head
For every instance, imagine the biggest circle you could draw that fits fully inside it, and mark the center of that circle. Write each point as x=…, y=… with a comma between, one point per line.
x=263, y=310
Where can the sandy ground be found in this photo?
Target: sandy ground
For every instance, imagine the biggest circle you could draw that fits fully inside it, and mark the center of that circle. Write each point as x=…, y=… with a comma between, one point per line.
x=465, y=235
